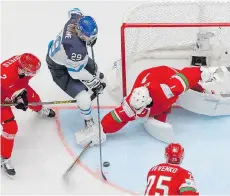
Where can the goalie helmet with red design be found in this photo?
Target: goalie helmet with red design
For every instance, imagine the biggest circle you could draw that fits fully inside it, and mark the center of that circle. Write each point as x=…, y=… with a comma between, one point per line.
x=29, y=64
x=174, y=153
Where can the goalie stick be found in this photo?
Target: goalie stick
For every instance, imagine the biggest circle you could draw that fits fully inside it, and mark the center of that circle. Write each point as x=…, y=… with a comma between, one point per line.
x=93, y=96
x=99, y=122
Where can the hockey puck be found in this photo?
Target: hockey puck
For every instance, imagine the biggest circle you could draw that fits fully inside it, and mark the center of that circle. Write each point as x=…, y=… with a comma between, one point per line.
x=106, y=164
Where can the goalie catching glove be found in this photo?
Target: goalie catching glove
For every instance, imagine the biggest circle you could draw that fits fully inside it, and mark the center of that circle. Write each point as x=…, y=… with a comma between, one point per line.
x=88, y=134
x=20, y=99
x=215, y=80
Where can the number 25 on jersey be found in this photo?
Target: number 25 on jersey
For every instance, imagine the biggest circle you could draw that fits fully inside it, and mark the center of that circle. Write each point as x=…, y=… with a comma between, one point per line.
x=158, y=185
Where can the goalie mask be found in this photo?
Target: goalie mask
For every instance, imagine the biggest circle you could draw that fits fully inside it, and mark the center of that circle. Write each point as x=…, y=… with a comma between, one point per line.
x=140, y=99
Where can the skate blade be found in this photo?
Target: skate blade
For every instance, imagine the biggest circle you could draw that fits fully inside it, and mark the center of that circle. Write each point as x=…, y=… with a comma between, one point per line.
x=9, y=176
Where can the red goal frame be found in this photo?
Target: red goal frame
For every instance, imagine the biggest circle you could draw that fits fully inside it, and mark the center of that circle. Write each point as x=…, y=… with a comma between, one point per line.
x=154, y=25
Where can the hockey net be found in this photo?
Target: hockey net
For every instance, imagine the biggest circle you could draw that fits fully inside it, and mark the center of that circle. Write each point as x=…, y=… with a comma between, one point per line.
x=178, y=34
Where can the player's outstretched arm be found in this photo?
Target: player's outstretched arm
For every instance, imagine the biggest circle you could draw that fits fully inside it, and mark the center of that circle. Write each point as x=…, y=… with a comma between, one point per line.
x=112, y=123
x=182, y=81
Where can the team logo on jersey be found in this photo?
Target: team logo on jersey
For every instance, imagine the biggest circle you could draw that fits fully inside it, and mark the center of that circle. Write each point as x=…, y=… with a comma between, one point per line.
x=167, y=91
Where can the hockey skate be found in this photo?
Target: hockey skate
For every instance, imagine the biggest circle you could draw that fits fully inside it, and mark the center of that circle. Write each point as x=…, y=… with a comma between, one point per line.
x=47, y=112
x=7, y=167
x=90, y=134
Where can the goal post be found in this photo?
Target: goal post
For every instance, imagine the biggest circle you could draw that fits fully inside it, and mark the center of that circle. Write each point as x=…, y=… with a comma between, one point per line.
x=180, y=29
x=164, y=52
x=177, y=33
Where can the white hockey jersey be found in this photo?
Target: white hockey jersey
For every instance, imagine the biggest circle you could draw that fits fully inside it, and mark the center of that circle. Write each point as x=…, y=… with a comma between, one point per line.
x=70, y=51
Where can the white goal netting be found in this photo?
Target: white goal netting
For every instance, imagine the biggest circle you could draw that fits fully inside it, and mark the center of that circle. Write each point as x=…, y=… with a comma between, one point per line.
x=176, y=33
x=139, y=40
x=164, y=29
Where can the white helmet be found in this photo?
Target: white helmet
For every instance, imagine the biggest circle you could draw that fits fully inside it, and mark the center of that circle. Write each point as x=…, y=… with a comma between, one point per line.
x=140, y=98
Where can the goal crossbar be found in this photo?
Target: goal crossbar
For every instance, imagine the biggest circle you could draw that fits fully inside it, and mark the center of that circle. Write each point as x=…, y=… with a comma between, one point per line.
x=156, y=25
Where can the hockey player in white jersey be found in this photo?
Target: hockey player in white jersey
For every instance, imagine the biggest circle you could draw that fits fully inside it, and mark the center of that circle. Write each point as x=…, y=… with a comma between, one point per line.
x=71, y=67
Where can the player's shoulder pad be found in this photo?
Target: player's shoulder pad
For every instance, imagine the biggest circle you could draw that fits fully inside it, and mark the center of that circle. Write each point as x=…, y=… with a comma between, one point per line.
x=186, y=173
x=68, y=30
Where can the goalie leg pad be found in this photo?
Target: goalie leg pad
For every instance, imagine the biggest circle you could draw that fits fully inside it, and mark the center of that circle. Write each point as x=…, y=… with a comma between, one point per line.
x=84, y=103
x=159, y=130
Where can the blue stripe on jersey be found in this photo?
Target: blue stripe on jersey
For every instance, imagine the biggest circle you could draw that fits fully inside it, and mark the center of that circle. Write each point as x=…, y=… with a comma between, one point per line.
x=86, y=112
x=76, y=70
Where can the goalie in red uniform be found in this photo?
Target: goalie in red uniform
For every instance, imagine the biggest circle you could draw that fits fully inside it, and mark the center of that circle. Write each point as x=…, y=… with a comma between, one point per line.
x=153, y=94
x=15, y=75
x=169, y=178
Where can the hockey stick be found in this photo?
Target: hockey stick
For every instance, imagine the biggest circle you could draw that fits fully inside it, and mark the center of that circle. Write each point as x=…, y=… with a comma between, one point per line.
x=75, y=161
x=93, y=96
x=99, y=121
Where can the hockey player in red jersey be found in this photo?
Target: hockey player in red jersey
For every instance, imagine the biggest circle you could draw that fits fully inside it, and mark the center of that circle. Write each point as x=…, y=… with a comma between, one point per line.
x=152, y=96
x=169, y=178
x=15, y=75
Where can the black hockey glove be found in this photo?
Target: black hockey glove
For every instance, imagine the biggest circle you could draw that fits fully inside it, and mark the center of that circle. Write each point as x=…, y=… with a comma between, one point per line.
x=92, y=42
x=20, y=99
x=99, y=89
x=95, y=85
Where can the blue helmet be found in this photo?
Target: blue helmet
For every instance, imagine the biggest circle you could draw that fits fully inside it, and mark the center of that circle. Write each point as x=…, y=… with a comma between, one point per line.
x=88, y=26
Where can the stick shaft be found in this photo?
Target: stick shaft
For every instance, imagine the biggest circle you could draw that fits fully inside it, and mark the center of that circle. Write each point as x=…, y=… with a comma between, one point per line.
x=46, y=102
x=99, y=122
x=75, y=161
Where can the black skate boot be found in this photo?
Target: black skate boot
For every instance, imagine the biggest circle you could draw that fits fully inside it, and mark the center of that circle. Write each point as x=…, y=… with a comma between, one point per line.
x=89, y=123
x=47, y=112
x=7, y=167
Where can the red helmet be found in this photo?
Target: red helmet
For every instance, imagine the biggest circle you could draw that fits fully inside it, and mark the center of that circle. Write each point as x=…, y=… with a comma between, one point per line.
x=174, y=153
x=29, y=64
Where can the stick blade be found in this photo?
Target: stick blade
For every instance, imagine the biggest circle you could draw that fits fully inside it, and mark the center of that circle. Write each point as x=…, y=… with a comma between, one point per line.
x=103, y=176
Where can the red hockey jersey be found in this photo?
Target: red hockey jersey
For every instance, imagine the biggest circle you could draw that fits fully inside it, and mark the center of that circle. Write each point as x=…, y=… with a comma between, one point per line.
x=10, y=80
x=170, y=179
x=165, y=84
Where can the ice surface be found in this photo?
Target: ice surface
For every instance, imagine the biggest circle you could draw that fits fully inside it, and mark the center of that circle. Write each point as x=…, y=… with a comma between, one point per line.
x=44, y=148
